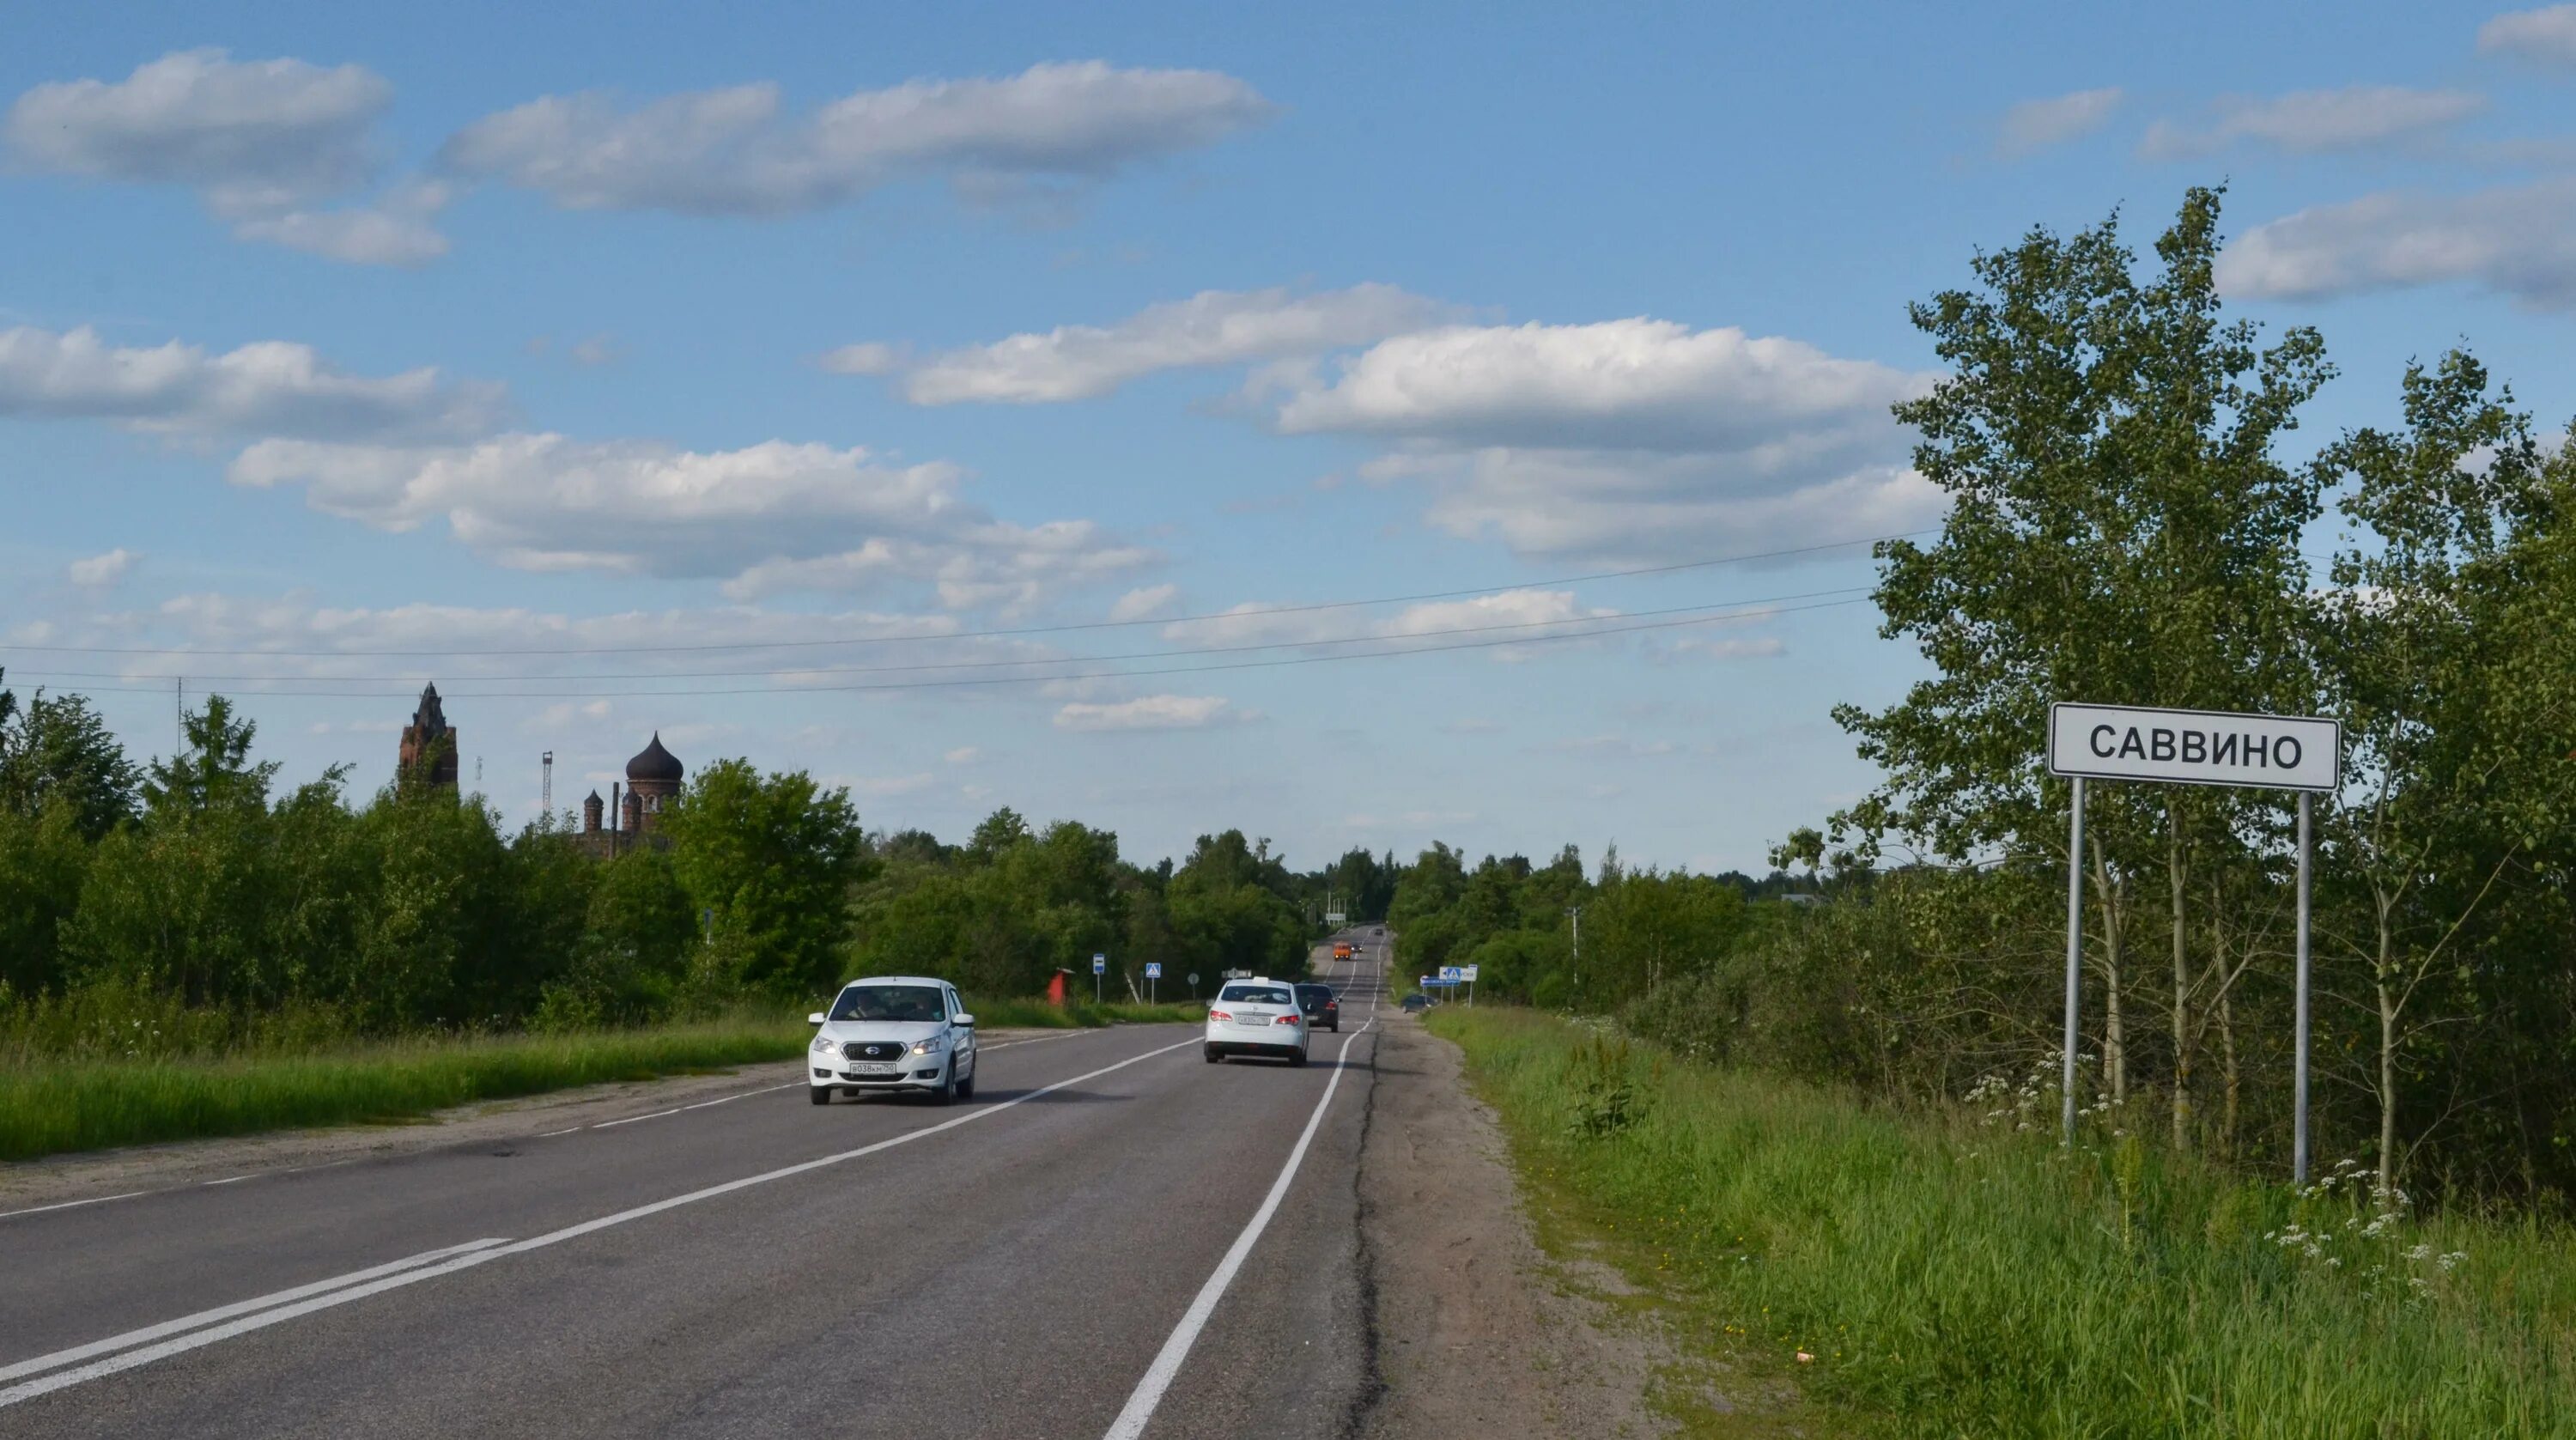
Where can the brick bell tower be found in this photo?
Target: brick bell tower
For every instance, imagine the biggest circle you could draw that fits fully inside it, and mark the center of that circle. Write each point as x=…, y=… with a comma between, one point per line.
x=428, y=754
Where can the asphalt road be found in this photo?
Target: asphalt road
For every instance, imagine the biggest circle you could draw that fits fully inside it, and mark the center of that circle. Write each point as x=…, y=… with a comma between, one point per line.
x=1073, y=1253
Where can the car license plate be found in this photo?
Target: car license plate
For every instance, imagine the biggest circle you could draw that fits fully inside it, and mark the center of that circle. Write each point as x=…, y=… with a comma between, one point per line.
x=871, y=1069
x=1255, y=1021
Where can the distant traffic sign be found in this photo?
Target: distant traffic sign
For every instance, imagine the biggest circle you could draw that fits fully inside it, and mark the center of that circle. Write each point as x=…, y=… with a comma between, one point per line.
x=1154, y=970
x=1334, y=917
x=1453, y=972
x=1099, y=964
x=2194, y=747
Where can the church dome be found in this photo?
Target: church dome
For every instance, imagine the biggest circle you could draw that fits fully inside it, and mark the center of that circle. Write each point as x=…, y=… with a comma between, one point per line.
x=655, y=763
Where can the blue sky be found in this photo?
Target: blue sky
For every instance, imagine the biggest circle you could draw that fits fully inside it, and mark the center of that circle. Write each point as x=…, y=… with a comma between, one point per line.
x=707, y=346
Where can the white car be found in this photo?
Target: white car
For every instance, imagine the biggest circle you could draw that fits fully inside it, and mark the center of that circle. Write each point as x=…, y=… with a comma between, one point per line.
x=1256, y=1017
x=898, y=1034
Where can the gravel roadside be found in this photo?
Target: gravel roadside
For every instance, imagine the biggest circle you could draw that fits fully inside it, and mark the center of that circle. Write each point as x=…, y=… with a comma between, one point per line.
x=1477, y=1332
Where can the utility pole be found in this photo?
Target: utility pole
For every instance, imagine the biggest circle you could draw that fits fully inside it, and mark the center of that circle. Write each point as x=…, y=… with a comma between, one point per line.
x=546, y=788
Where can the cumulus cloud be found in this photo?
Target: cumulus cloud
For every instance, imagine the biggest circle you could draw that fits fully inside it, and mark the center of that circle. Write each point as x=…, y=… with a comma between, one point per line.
x=101, y=571
x=2355, y=117
x=1626, y=439
x=1140, y=603
x=2516, y=241
x=2037, y=124
x=735, y=152
x=1150, y=712
x=269, y=388
x=773, y=516
x=2546, y=36
x=1429, y=623
x=1213, y=328
x=259, y=140
x=963, y=755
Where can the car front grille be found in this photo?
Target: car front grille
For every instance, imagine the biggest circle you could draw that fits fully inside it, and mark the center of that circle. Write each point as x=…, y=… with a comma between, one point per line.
x=874, y=1049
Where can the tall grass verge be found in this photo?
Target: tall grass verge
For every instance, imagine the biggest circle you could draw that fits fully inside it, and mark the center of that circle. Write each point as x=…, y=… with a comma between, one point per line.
x=89, y=1105
x=1953, y=1275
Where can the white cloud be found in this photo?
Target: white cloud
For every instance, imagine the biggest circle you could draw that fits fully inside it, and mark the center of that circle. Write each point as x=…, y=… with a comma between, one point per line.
x=1628, y=440
x=1139, y=603
x=732, y=152
x=1472, y=726
x=869, y=357
x=2038, y=124
x=1213, y=328
x=1614, y=747
x=598, y=350
x=2546, y=35
x=1710, y=647
x=774, y=516
x=258, y=140
x=1150, y=712
x=394, y=229
x=2311, y=121
x=100, y=571
x=2518, y=241
x=1428, y=624
x=1635, y=384
x=884, y=786
x=963, y=755
x=269, y=388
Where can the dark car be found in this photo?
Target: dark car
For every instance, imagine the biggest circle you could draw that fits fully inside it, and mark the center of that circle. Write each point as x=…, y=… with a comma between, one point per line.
x=1416, y=1004
x=1320, y=1006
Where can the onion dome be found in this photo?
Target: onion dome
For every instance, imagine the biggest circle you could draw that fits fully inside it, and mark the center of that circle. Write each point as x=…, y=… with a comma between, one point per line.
x=655, y=763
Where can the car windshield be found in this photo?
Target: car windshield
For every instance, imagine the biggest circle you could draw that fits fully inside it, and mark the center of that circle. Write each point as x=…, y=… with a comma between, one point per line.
x=1256, y=995
x=1312, y=996
x=889, y=1002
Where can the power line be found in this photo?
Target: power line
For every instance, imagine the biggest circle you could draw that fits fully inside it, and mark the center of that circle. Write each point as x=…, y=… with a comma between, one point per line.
x=983, y=634
x=1163, y=654
x=1399, y=650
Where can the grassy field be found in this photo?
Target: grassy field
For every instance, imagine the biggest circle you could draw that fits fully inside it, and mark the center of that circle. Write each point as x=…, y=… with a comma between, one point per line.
x=1954, y=1275
x=52, y=1105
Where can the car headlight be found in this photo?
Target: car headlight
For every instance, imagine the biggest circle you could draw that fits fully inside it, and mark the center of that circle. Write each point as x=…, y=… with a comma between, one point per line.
x=931, y=1046
x=825, y=1043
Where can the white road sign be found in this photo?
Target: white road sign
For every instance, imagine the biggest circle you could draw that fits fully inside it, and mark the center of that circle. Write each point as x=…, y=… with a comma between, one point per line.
x=1467, y=973
x=1453, y=972
x=1334, y=917
x=1099, y=964
x=2194, y=747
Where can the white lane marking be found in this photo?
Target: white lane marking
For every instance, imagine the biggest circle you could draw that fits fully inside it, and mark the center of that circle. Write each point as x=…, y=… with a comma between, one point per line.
x=1131, y=1421
x=73, y=1204
x=744, y=1095
x=148, y=1333
x=29, y=1390
x=631, y=1119
x=550, y=1134
x=229, y=1180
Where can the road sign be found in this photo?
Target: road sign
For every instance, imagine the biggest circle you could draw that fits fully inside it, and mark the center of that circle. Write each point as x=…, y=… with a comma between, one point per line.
x=1453, y=972
x=1334, y=917
x=2194, y=747
x=1194, y=977
x=2191, y=747
x=1154, y=970
x=1099, y=964
x=1467, y=973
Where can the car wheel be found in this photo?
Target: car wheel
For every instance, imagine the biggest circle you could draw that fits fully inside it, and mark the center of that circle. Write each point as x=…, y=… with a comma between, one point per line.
x=946, y=1094
x=1297, y=1057
x=819, y=1094
x=966, y=1088
x=1214, y=1058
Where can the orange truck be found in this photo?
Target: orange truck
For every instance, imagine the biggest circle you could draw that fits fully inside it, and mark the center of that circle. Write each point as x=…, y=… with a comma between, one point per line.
x=1341, y=949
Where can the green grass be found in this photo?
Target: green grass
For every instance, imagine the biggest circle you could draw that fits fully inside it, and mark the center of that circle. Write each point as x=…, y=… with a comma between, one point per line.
x=1953, y=1277
x=53, y=1104
x=1040, y=1015
x=89, y=1105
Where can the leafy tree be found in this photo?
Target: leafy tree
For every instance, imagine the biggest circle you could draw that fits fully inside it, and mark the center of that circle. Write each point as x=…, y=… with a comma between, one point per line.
x=58, y=749
x=773, y=857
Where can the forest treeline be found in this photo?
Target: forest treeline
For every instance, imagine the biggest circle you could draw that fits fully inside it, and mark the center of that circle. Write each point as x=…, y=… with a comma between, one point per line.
x=195, y=897
x=2126, y=524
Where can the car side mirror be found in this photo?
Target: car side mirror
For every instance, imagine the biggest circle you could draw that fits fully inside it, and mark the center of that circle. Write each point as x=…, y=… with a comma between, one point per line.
x=816, y=1018
x=966, y=1021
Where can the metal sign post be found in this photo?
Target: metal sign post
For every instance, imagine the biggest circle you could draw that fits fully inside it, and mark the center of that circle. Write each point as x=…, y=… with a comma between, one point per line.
x=1153, y=982
x=2192, y=747
x=1099, y=967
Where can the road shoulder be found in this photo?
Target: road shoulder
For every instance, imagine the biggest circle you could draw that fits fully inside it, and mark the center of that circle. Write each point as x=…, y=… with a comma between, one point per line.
x=1476, y=1331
